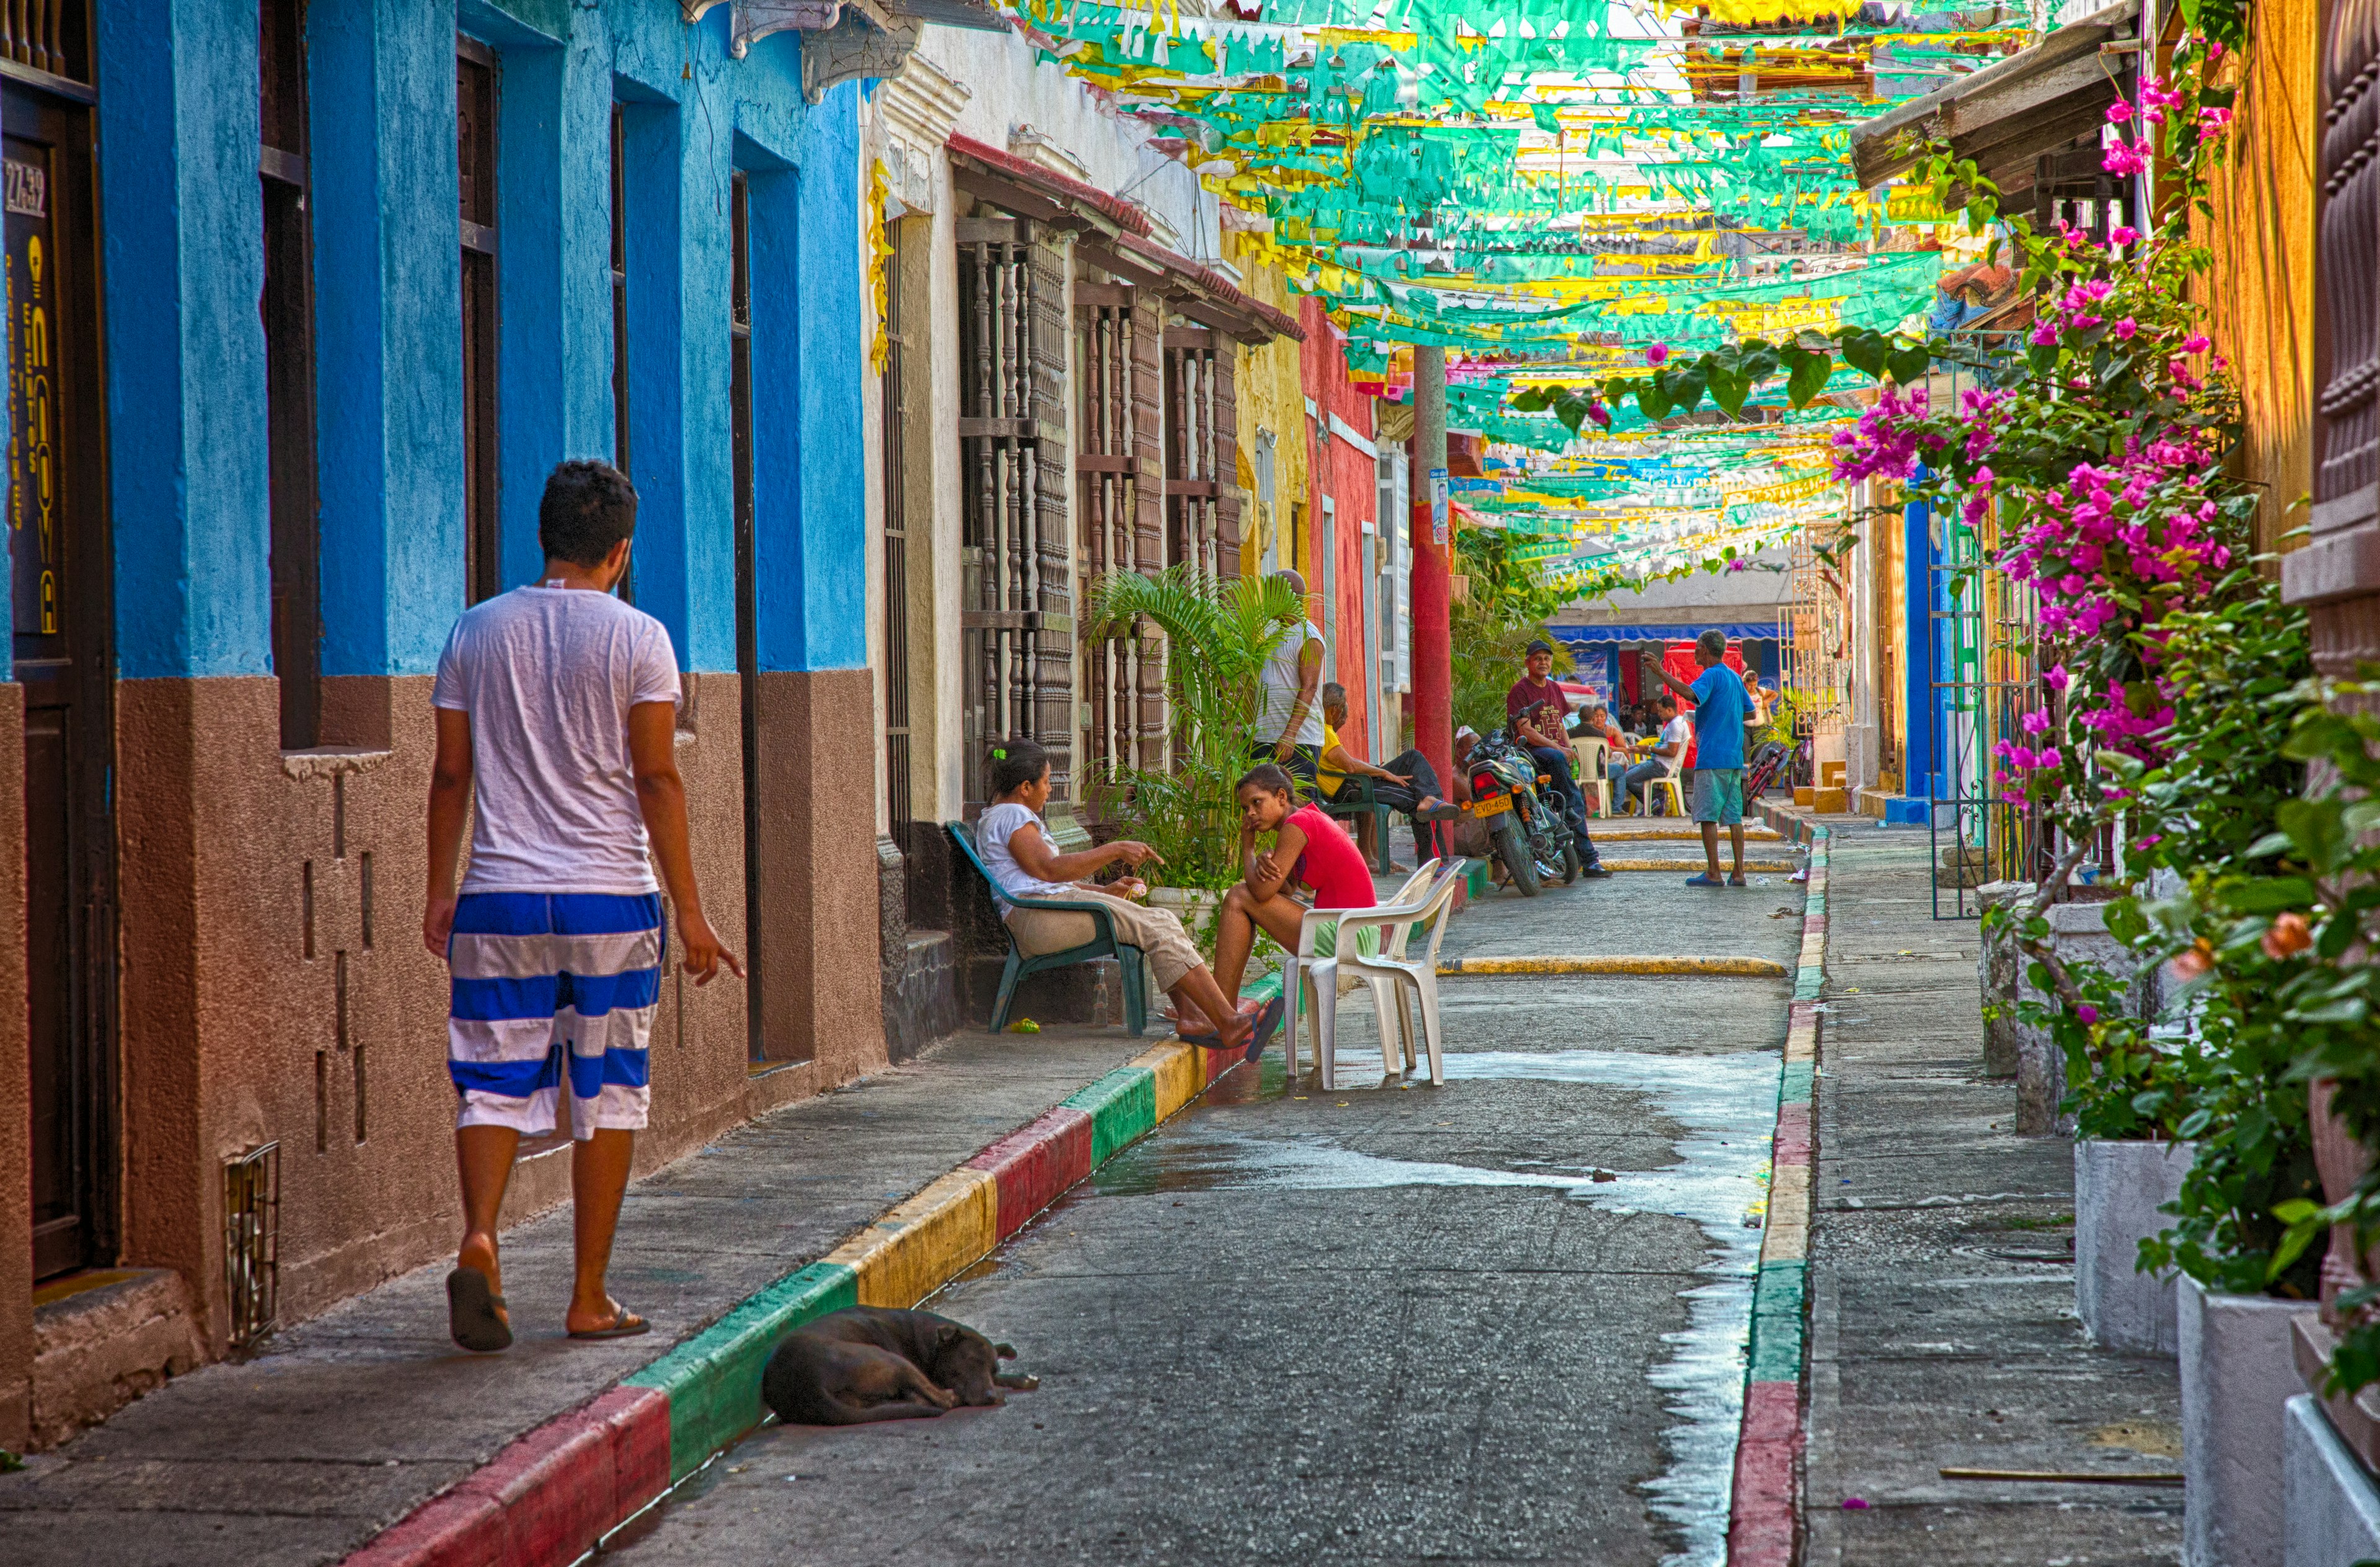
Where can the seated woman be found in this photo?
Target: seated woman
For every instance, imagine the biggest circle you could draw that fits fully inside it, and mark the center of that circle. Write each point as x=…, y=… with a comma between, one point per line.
x=1309, y=850
x=1024, y=863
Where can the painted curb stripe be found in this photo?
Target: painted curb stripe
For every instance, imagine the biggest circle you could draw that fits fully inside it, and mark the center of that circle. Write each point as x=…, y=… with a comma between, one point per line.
x=1764, y=1517
x=546, y=1498
x=550, y=1496
x=1122, y=1105
x=712, y=1379
x=1689, y=867
x=1753, y=967
x=907, y=1255
x=1032, y=1165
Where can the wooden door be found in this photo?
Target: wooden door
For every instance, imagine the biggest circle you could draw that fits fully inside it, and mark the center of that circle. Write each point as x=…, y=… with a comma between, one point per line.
x=62, y=604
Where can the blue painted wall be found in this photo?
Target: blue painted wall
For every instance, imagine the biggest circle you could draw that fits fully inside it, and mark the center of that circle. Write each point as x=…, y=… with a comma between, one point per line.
x=184, y=268
x=183, y=261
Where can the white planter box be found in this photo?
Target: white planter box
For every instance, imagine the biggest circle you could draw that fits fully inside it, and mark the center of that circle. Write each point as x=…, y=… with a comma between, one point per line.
x=2238, y=1374
x=2331, y=1507
x=2118, y=1187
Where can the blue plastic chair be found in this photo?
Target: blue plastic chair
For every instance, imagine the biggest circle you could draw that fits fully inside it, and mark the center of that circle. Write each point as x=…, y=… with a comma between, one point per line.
x=1104, y=944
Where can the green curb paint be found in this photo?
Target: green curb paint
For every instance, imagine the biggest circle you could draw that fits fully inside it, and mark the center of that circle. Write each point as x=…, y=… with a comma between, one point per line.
x=1122, y=1105
x=1793, y=1088
x=714, y=1378
x=1776, y=1301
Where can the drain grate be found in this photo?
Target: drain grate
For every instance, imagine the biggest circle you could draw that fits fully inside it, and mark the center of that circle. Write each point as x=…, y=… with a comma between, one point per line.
x=252, y=1242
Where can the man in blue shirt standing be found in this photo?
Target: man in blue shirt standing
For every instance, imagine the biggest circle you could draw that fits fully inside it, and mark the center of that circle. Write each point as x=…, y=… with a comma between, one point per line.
x=1721, y=704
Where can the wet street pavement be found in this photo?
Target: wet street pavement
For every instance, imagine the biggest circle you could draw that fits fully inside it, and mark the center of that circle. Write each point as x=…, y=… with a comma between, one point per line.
x=1501, y=1320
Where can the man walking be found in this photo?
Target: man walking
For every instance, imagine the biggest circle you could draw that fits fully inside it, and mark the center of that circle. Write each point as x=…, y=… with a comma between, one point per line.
x=1538, y=712
x=559, y=703
x=1720, y=706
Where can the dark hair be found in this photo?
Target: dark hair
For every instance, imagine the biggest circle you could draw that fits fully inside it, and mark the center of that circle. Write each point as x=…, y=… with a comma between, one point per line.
x=1667, y=700
x=1333, y=694
x=588, y=506
x=1015, y=763
x=1271, y=777
x=1713, y=642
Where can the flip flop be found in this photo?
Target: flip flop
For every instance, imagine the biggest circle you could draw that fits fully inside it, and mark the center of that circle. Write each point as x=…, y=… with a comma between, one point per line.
x=1737, y=881
x=1706, y=880
x=472, y=1310
x=1267, y=1021
x=626, y=1325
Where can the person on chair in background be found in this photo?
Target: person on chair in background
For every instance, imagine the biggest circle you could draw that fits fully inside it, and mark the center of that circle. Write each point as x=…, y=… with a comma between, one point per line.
x=1668, y=750
x=1288, y=731
x=1536, y=709
x=1407, y=782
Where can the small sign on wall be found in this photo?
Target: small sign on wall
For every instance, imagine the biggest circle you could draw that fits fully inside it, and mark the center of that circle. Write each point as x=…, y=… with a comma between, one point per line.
x=1438, y=507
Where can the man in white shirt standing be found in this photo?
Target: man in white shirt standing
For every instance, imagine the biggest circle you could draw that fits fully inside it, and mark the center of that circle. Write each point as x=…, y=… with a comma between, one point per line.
x=559, y=703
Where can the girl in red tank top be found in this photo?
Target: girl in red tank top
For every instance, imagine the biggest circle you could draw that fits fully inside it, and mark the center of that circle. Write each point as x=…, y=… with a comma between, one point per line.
x=1308, y=850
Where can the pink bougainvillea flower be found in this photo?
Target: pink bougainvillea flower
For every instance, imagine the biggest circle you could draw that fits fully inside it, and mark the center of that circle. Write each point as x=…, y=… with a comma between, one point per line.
x=2123, y=159
x=1657, y=353
x=2122, y=234
x=2118, y=112
x=2087, y=1012
x=2127, y=328
x=2196, y=343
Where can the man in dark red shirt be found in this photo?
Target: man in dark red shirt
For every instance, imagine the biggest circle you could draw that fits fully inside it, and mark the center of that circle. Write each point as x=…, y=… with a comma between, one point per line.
x=1537, y=711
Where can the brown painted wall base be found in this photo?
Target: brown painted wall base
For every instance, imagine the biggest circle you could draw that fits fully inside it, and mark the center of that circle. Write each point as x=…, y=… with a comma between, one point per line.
x=276, y=986
x=16, y=1093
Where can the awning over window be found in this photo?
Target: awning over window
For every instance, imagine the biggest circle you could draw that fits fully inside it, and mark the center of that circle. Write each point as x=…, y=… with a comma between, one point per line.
x=1748, y=631
x=2006, y=115
x=1024, y=187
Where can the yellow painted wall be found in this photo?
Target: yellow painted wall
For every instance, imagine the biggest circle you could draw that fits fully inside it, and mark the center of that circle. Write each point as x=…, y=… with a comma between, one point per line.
x=2259, y=293
x=1271, y=397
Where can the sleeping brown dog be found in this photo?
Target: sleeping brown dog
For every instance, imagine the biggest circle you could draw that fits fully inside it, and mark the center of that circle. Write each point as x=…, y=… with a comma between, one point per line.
x=870, y=1363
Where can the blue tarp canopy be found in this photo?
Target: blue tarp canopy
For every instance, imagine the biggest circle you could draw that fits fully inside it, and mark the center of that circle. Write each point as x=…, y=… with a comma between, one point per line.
x=1750, y=631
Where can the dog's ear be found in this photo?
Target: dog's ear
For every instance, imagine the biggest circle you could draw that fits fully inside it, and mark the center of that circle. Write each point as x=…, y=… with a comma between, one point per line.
x=1005, y=1351
x=948, y=1334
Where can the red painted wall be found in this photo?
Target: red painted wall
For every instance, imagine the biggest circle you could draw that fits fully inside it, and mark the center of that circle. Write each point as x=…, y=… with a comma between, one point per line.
x=1350, y=479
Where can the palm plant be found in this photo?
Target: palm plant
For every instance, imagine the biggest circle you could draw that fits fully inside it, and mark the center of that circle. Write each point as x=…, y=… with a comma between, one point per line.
x=1219, y=633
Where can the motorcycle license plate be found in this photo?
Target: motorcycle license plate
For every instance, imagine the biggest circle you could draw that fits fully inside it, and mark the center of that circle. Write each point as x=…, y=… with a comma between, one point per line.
x=1495, y=804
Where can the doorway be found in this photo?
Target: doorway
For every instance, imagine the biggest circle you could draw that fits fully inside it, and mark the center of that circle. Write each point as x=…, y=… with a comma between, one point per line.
x=62, y=607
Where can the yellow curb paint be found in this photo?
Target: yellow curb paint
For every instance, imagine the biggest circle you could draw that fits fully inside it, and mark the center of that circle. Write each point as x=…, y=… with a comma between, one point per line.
x=921, y=1244
x=1688, y=867
x=1788, y=1238
x=1751, y=967
x=1604, y=834
x=1175, y=1067
x=1801, y=1044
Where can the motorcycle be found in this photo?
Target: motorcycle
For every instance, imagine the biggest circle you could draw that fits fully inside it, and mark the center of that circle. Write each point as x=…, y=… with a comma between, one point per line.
x=1528, y=830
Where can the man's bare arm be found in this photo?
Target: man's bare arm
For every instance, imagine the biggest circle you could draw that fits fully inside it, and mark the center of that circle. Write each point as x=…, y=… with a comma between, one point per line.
x=660, y=795
x=1309, y=682
x=450, y=804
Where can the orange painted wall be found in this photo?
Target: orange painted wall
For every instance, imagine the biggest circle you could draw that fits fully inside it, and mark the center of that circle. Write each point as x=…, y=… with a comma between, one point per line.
x=2259, y=293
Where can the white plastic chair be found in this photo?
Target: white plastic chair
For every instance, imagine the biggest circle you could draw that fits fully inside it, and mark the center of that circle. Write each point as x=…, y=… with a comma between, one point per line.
x=1586, y=765
x=1677, y=796
x=1304, y=973
x=1418, y=976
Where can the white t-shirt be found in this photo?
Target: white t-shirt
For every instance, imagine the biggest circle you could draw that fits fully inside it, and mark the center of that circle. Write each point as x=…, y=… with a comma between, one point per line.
x=547, y=675
x=1680, y=732
x=1282, y=682
x=998, y=824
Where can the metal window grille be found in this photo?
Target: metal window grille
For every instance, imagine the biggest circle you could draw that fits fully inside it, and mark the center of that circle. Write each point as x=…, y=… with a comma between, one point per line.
x=252, y=1242
x=1119, y=479
x=1016, y=620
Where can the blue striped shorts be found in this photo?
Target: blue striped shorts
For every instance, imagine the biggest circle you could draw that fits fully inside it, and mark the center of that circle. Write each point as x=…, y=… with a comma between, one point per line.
x=552, y=988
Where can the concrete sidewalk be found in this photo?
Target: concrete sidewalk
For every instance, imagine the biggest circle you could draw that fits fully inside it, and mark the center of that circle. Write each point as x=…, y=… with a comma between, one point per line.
x=345, y=1424
x=1942, y=1326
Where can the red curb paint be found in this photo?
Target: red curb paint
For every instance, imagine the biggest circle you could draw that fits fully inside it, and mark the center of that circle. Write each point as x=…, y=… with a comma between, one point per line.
x=461, y=1528
x=1031, y=1166
x=1791, y=1143
x=1761, y=1523
x=547, y=1498
x=638, y=1423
